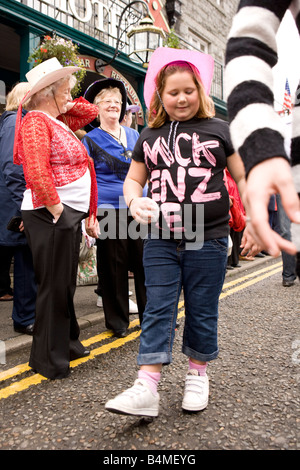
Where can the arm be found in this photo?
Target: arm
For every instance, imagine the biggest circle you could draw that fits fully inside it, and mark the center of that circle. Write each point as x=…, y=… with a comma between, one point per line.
x=12, y=174
x=81, y=112
x=237, y=170
x=256, y=129
x=36, y=138
x=135, y=181
x=143, y=209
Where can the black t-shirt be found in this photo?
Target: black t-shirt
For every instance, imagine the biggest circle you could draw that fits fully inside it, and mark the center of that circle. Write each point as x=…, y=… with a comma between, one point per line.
x=185, y=162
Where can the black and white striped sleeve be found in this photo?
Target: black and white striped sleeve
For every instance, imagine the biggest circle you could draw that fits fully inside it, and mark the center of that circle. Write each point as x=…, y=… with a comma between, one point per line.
x=257, y=131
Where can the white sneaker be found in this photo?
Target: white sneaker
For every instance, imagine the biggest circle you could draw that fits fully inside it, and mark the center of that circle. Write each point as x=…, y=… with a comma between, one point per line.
x=196, y=391
x=137, y=400
x=99, y=301
x=133, y=308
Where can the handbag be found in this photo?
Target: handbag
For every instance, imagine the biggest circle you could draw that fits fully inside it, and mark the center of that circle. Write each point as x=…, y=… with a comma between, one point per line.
x=237, y=219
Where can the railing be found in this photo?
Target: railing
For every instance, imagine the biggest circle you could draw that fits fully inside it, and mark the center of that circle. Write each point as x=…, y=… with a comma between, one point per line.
x=217, y=87
x=99, y=19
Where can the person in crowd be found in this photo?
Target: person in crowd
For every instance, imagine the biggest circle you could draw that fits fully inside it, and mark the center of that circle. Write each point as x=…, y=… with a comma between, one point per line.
x=110, y=145
x=13, y=244
x=183, y=154
x=257, y=132
x=127, y=119
x=61, y=191
x=237, y=221
x=288, y=261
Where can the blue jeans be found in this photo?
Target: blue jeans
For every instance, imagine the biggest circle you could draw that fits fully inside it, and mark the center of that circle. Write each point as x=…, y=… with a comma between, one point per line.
x=169, y=267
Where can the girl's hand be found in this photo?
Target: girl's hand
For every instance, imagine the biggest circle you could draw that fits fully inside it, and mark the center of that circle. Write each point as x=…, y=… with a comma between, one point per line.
x=144, y=210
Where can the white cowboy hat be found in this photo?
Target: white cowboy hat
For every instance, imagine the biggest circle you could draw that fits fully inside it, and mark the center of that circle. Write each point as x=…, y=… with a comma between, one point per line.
x=45, y=74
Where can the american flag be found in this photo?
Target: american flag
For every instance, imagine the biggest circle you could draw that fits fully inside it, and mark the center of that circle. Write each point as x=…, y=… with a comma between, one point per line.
x=287, y=100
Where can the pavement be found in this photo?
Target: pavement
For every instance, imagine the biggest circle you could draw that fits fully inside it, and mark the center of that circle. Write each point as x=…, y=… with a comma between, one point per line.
x=88, y=314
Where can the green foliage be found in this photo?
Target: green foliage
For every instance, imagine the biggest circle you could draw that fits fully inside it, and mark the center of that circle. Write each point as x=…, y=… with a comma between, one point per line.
x=172, y=40
x=65, y=51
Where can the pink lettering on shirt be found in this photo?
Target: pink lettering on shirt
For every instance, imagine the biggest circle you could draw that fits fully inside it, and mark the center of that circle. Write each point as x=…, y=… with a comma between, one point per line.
x=170, y=174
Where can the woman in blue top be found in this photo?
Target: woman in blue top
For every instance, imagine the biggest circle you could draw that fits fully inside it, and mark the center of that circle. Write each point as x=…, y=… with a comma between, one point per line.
x=110, y=145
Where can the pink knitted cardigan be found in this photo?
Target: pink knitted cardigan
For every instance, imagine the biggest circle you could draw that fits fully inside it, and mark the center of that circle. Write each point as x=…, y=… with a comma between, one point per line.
x=52, y=156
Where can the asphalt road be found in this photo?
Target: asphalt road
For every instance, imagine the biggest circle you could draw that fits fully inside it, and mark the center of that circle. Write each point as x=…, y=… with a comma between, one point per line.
x=254, y=384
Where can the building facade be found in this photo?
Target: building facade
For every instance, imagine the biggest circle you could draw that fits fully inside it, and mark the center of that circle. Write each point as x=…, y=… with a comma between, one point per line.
x=204, y=25
x=99, y=28
x=96, y=26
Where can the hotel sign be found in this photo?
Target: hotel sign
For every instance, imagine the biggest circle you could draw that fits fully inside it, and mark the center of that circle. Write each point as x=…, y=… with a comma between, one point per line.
x=89, y=16
x=96, y=17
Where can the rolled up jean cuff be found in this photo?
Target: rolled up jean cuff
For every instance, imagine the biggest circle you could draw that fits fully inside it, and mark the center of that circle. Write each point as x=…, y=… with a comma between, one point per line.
x=199, y=356
x=154, y=358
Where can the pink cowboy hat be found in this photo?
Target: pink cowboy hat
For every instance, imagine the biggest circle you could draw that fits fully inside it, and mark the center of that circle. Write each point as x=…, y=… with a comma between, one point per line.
x=163, y=56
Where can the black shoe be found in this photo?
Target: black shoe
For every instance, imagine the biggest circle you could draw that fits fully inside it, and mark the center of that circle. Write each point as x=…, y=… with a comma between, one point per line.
x=6, y=298
x=121, y=333
x=287, y=283
x=25, y=330
x=77, y=350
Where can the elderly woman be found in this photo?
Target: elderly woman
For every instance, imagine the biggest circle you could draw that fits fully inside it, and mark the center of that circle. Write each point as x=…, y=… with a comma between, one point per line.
x=110, y=146
x=61, y=191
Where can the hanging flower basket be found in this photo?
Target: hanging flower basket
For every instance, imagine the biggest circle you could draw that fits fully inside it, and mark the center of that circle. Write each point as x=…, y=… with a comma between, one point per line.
x=65, y=51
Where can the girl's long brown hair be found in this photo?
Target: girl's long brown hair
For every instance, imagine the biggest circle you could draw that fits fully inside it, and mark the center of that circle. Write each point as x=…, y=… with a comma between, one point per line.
x=157, y=114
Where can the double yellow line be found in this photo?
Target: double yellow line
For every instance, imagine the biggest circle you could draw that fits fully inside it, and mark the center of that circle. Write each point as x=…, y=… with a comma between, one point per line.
x=229, y=288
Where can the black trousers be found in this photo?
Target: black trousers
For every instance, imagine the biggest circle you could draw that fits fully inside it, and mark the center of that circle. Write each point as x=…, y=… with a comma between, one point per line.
x=24, y=292
x=115, y=256
x=6, y=256
x=55, y=252
x=233, y=259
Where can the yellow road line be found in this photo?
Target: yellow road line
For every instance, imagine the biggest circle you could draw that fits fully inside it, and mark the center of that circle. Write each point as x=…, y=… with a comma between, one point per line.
x=253, y=274
x=20, y=369
x=250, y=283
x=36, y=379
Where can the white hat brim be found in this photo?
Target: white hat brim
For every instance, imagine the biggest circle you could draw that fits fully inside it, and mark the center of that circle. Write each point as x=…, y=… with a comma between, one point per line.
x=49, y=79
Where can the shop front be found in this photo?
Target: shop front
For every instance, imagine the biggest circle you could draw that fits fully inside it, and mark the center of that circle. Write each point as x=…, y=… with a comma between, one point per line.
x=98, y=27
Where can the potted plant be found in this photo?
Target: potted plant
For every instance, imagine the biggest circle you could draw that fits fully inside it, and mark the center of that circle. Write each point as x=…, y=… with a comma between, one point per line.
x=65, y=51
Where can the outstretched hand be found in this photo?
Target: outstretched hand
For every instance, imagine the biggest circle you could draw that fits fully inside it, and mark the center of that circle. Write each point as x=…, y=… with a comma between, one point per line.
x=272, y=176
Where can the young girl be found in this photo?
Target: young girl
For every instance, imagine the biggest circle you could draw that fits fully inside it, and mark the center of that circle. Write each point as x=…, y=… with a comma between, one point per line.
x=183, y=154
